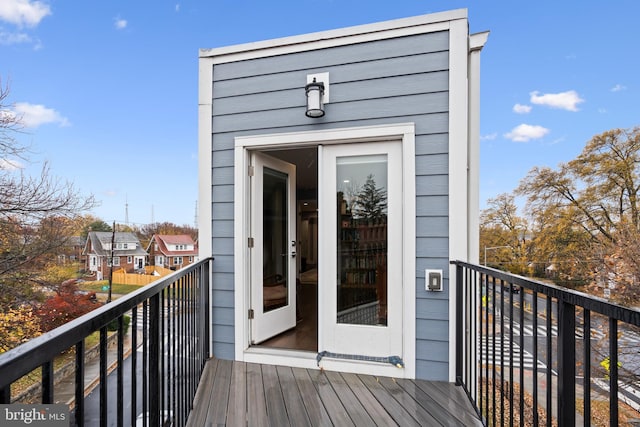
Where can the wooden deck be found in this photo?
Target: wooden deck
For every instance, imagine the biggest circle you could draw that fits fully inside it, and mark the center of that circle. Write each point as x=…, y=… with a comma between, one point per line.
x=240, y=394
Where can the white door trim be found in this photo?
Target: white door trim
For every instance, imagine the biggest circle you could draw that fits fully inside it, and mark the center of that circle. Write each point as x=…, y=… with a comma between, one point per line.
x=404, y=132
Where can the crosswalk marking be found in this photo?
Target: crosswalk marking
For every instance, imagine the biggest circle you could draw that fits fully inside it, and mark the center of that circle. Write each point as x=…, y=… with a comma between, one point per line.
x=625, y=337
x=167, y=310
x=502, y=357
x=628, y=393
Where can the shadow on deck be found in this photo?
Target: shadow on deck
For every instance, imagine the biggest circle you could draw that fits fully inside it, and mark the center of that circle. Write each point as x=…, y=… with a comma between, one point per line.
x=239, y=394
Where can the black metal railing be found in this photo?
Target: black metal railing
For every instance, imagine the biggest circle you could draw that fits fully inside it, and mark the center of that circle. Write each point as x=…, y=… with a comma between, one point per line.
x=530, y=353
x=153, y=369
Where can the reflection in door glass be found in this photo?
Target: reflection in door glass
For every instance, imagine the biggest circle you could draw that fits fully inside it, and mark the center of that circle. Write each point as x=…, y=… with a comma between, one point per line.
x=361, y=183
x=274, y=237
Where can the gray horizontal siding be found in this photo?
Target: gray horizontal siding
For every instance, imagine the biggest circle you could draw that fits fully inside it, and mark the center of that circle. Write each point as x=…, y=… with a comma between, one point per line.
x=436, y=309
x=340, y=93
x=428, y=72
x=390, y=49
x=395, y=107
x=383, y=82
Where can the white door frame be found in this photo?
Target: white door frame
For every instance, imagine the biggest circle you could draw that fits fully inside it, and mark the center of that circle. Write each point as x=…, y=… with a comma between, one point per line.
x=404, y=132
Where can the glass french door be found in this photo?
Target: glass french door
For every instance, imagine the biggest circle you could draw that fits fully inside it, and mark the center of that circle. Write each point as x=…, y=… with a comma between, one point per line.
x=273, y=252
x=361, y=218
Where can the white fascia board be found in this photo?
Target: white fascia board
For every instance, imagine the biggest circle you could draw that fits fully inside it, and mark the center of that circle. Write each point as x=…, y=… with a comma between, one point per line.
x=205, y=249
x=320, y=40
x=458, y=166
x=476, y=43
x=205, y=96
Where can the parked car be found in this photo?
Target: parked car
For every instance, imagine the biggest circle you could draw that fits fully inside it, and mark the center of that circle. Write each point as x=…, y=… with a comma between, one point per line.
x=513, y=288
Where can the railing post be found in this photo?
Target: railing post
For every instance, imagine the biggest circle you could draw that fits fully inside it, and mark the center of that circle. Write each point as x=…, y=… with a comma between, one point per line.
x=154, y=360
x=459, y=325
x=5, y=395
x=566, y=364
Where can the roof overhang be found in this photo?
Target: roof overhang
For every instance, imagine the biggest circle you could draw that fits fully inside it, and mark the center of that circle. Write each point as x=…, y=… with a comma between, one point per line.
x=321, y=40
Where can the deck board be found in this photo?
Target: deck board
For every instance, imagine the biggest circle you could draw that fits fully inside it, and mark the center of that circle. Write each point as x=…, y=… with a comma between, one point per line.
x=368, y=400
x=237, y=408
x=256, y=404
x=295, y=406
x=217, y=414
x=311, y=399
x=276, y=411
x=357, y=412
x=241, y=394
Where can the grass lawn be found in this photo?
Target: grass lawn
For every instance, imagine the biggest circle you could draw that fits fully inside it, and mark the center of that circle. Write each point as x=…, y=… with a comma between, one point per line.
x=116, y=288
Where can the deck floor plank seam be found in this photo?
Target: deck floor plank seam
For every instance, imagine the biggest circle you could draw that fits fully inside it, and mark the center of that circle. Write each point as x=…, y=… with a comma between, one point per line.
x=202, y=399
x=276, y=410
x=378, y=413
x=424, y=399
x=358, y=414
x=409, y=403
x=237, y=408
x=292, y=398
x=397, y=412
x=312, y=401
x=256, y=404
x=452, y=399
x=332, y=403
x=217, y=414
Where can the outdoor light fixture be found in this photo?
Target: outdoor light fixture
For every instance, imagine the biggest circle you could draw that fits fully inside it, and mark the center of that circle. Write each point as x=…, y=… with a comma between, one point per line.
x=315, y=92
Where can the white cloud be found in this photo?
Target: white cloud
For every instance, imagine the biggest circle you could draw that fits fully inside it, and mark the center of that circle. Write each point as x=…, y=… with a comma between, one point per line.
x=521, y=109
x=120, y=23
x=10, y=165
x=34, y=115
x=14, y=38
x=525, y=133
x=563, y=100
x=618, y=88
x=23, y=12
x=489, y=137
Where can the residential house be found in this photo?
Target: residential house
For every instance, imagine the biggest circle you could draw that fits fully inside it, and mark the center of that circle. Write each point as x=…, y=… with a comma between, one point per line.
x=172, y=251
x=126, y=250
x=338, y=178
x=71, y=251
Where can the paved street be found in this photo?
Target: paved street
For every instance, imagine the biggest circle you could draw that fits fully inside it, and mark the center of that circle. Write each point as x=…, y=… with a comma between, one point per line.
x=523, y=343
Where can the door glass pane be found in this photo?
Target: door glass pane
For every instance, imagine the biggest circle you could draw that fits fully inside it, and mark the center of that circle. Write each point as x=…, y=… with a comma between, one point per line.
x=361, y=183
x=274, y=226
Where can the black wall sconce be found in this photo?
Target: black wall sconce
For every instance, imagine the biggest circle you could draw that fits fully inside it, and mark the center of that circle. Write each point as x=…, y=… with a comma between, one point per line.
x=315, y=93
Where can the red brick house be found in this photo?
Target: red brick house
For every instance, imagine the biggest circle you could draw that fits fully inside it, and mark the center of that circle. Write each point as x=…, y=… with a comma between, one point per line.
x=172, y=251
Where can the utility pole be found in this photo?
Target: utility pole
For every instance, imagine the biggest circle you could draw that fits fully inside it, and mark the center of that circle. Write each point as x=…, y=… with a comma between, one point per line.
x=113, y=239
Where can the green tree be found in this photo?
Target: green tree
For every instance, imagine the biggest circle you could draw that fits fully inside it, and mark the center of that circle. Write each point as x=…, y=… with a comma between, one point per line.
x=371, y=201
x=96, y=225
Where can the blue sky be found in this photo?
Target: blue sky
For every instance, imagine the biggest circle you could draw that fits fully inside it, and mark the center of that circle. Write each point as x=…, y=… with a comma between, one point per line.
x=108, y=89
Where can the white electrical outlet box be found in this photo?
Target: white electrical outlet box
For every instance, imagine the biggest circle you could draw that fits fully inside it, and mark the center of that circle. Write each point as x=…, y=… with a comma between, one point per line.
x=433, y=280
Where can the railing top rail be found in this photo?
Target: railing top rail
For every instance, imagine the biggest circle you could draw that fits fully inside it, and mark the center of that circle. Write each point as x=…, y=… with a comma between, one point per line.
x=36, y=351
x=579, y=299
